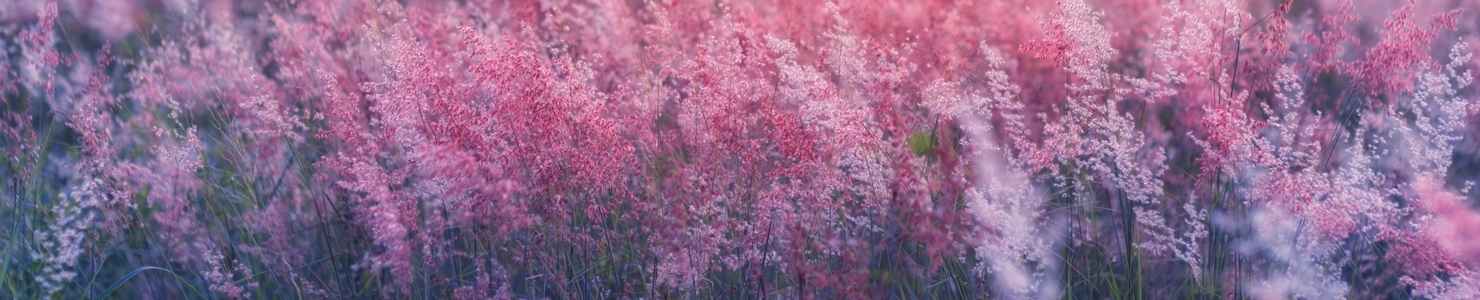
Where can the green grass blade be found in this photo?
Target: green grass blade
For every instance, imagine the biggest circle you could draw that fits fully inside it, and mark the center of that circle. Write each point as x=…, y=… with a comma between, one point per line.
x=136, y=272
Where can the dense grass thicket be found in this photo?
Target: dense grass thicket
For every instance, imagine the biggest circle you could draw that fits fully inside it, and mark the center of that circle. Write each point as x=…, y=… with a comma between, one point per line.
x=662, y=149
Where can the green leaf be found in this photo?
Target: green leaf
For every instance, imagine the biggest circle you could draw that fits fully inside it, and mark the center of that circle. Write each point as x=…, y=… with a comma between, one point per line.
x=921, y=143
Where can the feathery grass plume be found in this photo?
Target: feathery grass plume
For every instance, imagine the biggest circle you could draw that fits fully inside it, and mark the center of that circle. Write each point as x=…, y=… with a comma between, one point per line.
x=60, y=245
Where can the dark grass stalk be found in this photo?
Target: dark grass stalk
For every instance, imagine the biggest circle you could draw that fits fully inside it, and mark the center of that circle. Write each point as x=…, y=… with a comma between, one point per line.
x=1132, y=258
x=324, y=224
x=1214, y=273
